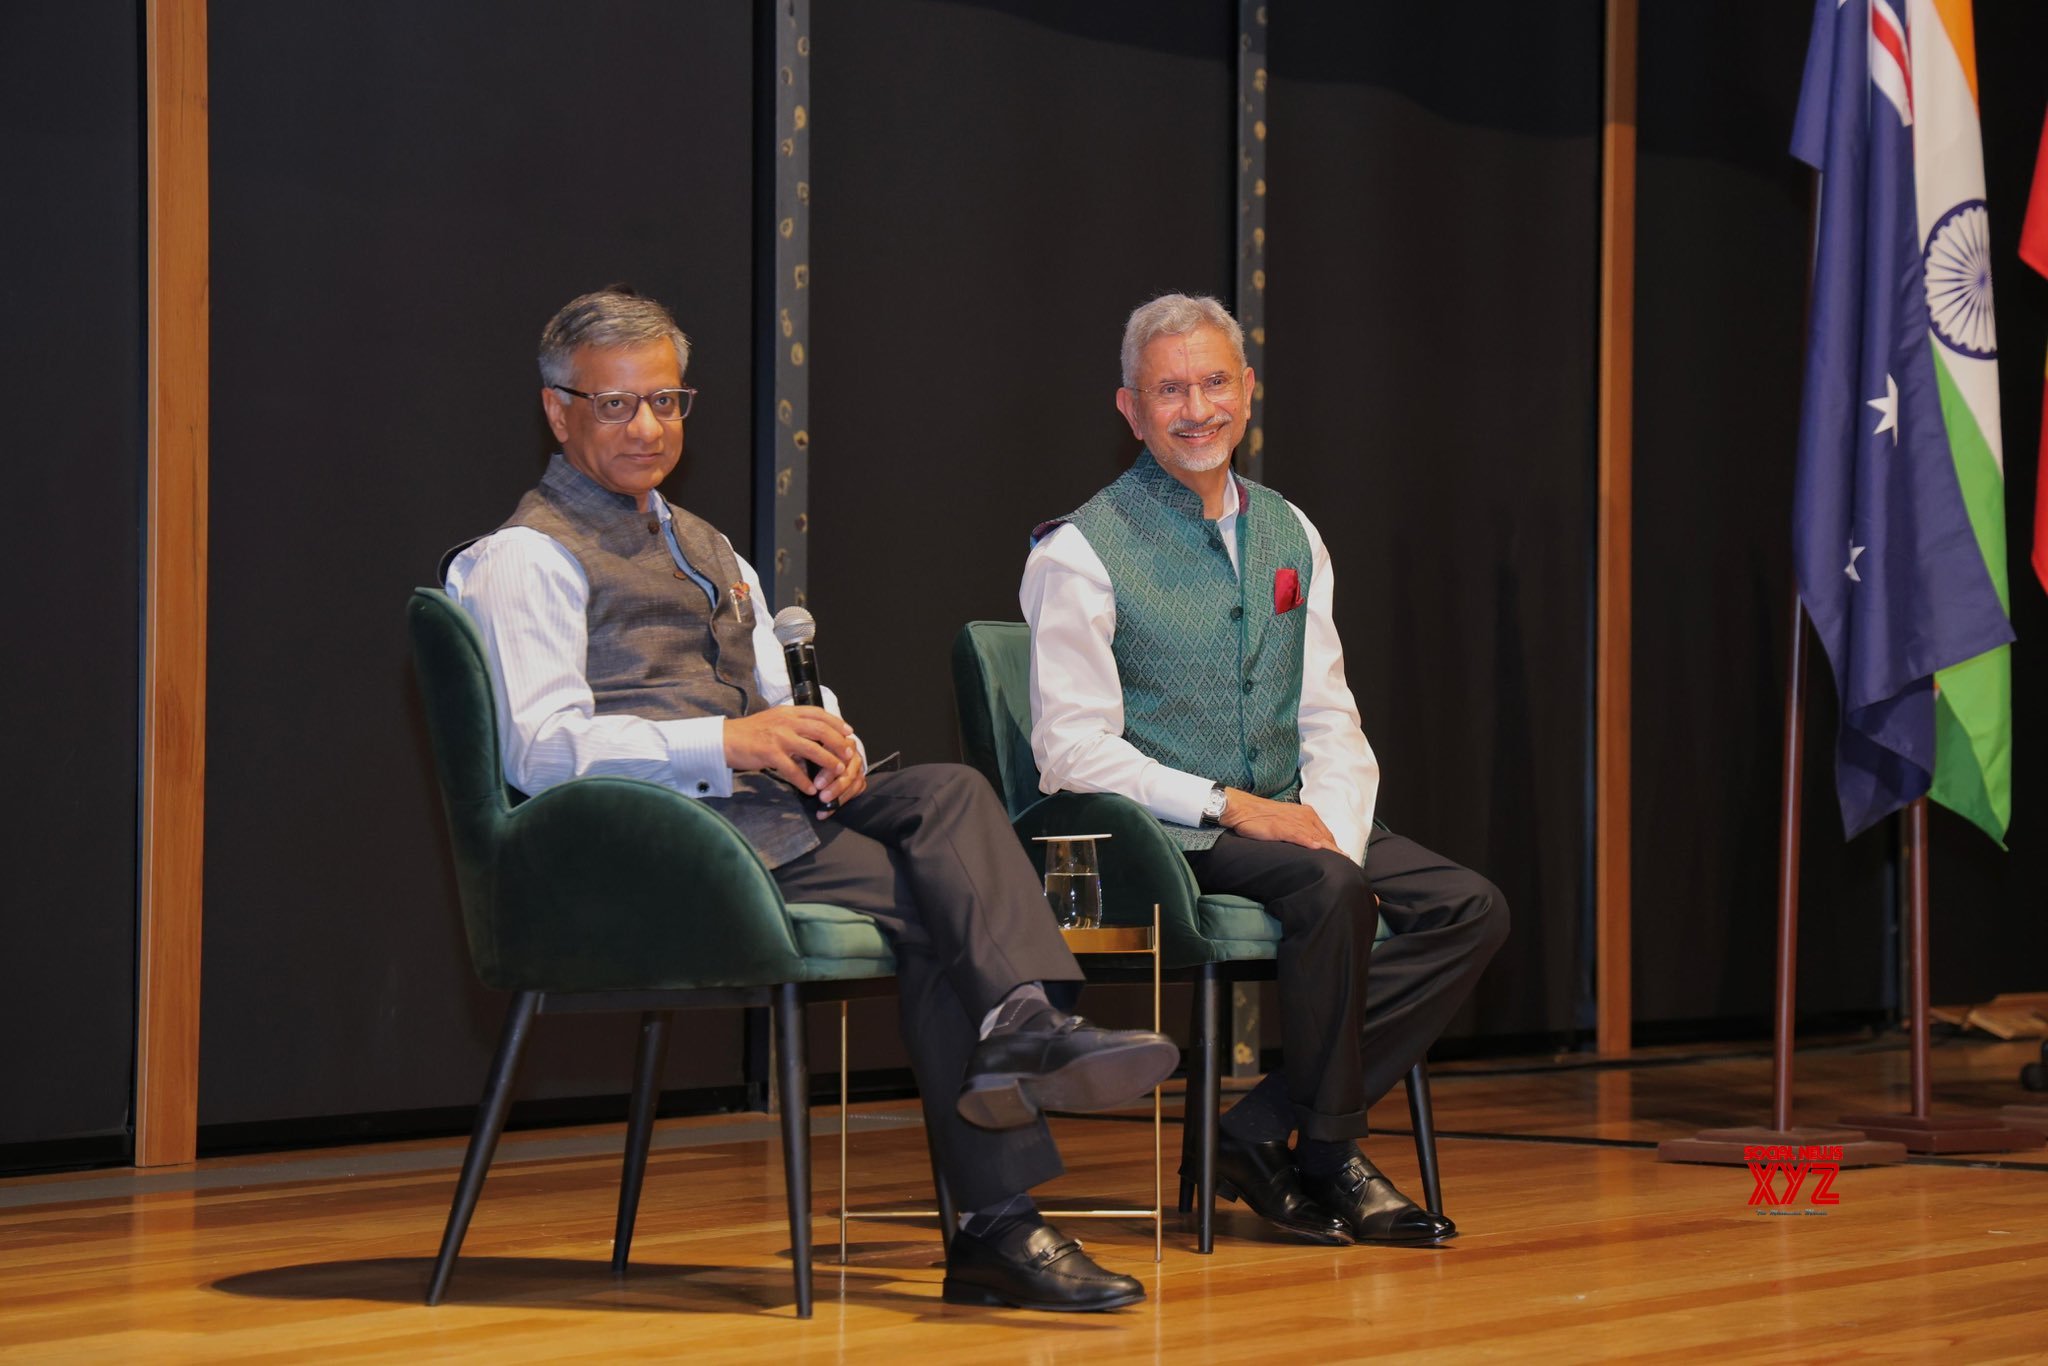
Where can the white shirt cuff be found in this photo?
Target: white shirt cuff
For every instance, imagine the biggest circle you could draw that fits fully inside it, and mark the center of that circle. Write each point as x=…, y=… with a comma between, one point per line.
x=1179, y=797
x=696, y=755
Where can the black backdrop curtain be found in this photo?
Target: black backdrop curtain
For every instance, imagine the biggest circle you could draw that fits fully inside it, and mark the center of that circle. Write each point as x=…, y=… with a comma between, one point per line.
x=402, y=194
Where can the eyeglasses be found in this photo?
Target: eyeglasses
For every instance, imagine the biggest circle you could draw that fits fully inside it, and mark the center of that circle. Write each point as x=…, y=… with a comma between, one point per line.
x=619, y=405
x=1221, y=387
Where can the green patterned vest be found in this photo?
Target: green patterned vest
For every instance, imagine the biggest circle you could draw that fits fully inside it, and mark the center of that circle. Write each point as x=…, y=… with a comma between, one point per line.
x=1211, y=671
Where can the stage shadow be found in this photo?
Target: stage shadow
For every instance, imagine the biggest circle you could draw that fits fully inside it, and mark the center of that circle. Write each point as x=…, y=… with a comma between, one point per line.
x=560, y=1283
x=908, y=1256
x=868, y=1280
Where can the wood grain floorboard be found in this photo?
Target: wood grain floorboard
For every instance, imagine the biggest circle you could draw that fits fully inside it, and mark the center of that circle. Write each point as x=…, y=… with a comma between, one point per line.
x=1574, y=1249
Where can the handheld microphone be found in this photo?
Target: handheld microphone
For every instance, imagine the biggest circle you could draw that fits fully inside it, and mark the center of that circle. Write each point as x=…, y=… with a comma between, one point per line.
x=796, y=629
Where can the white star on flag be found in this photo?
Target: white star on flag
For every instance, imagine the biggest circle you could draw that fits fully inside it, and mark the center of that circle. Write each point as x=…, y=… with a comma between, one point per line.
x=1889, y=406
x=1855, y=552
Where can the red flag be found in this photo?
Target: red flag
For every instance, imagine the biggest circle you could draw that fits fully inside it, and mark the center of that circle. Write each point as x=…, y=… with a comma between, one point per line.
x=2034, y=251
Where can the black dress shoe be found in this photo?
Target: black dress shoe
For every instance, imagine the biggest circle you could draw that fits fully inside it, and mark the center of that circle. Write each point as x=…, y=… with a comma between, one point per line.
x=1031, y=1266
x=1372, y=1209
x=1263, y=1176
x=1056, y=1061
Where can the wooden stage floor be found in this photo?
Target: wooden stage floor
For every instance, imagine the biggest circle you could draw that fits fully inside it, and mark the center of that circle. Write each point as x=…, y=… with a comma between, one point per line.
x=1577, y=1245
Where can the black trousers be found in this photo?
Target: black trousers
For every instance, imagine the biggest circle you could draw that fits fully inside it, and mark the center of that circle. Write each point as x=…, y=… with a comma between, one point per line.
x=1354, y=1019
x=929, y=853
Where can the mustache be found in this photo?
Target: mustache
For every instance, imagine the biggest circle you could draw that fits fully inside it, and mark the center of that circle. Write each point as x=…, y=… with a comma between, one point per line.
x=1184, y=428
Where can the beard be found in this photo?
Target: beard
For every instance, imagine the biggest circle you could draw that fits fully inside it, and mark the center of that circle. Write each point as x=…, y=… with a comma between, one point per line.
x=1199, y=461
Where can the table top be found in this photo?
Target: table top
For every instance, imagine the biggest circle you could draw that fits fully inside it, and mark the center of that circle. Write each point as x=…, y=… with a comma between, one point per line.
x=1110, y=939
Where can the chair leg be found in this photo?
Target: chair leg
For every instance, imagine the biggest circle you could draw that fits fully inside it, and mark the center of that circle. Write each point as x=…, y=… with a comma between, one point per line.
x=1206, y=1089
x=483, y=1139
x=1422, y=1118
x=647, y=1064
x=794, y=1078
x=1191, y=1105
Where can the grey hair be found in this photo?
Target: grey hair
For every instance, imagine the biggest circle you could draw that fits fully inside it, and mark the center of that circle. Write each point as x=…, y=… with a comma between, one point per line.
x=1175, y=315
x=611, y=319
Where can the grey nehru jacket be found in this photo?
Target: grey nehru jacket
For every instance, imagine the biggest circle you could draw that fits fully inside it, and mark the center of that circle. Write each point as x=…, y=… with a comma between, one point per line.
x=659, y=648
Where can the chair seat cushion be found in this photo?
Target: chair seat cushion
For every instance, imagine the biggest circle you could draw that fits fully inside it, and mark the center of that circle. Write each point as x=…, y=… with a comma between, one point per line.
x=1239, y=927
x=838, y=944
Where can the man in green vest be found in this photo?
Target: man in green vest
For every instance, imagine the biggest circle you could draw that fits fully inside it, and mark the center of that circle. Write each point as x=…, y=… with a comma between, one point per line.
x=1183, y=654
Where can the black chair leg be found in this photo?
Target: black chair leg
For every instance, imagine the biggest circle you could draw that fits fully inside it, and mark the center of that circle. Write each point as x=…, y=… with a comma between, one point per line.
x=1422, y=1118
x=1209, y=1003
x=1191, y=1106
x=647, y=1065
x=794, y=1077
x=483, y=1139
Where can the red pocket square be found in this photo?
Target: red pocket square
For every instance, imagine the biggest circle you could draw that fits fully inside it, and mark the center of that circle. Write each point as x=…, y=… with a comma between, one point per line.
x=1286, y=590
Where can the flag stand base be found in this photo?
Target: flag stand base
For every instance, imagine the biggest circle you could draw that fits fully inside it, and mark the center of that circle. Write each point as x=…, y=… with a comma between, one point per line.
x=1940, y=1135
x=1726, y=1147
x=2026, y=1117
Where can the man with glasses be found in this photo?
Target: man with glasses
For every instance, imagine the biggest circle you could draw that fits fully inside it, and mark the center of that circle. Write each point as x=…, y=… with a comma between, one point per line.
x=626, y=638
x=1183, y=654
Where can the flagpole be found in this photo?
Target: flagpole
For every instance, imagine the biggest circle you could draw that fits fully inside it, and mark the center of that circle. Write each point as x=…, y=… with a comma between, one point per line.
x=1916, y=948
x=1791, y=791
x=1919, y=1130
x=1732, y=1146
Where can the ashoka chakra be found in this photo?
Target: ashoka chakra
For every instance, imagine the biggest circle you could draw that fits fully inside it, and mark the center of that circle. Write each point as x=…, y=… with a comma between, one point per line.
x=1958, y=265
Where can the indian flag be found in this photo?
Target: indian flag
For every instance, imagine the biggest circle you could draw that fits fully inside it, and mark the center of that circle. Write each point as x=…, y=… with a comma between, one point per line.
x=1973, y=707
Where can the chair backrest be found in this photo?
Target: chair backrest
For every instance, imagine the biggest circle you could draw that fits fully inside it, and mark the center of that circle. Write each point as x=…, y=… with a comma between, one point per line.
x=992, y=689
x=462, y=721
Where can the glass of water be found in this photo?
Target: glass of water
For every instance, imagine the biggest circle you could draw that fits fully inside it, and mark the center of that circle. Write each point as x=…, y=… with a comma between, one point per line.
x=1073, y=880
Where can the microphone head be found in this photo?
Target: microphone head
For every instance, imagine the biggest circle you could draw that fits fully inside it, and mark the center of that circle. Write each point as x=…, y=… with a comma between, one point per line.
x=794, y=626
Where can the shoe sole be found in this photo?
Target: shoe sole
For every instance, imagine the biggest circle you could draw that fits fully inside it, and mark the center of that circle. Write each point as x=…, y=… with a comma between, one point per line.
x=1433, y=1241
x=1226, y=1191
x=981, y=1297
x=1100, y=1081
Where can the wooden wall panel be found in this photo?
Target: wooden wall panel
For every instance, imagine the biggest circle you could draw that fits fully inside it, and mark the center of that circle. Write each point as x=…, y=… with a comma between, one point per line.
x=174, y=678
x=1614, y=596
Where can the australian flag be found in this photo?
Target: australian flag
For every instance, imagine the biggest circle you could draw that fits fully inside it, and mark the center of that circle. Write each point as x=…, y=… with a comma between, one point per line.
x=1889, y=568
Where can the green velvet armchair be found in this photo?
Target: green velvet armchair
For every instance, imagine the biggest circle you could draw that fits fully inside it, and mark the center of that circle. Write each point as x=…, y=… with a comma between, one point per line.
x=1208, y=940
x=610, y=894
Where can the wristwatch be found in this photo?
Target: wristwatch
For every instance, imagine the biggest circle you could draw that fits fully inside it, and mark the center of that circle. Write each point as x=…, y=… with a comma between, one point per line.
x=1212, y=810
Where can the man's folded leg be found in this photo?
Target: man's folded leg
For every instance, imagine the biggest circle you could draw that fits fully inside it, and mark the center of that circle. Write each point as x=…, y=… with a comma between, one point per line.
x=1003, y=1253
x=961, y=884
x=975, y=942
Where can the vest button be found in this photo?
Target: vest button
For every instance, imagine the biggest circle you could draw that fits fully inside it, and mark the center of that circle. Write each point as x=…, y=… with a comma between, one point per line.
x=1248, y=685
x=1251, y=752
x=1237, y=614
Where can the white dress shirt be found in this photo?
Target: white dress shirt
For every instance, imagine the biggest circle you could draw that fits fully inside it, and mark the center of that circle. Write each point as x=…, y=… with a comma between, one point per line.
x=1077, y=697
x=528, y=595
